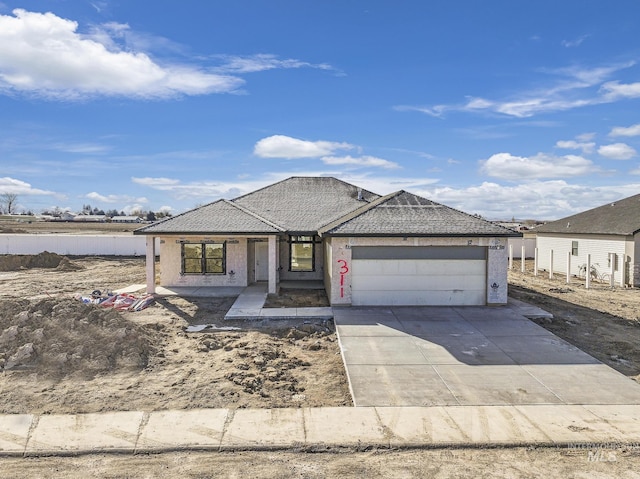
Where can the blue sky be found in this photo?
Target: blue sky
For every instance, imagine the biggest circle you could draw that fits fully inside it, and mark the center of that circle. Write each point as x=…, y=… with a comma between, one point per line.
x=525, y=109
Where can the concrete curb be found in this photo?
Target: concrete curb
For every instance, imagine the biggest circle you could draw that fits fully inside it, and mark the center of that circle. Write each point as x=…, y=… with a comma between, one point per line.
x=320, y=429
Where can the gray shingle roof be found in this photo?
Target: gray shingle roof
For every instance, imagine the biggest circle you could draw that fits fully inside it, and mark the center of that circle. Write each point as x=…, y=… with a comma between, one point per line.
x=406, y=214
x=305, y=204
x=221, y=216
x=330, y=207
x=619, y=218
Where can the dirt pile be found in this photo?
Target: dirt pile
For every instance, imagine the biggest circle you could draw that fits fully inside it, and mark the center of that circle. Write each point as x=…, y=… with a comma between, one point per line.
x=63, y=336
x=41, y=260
x=270, y=367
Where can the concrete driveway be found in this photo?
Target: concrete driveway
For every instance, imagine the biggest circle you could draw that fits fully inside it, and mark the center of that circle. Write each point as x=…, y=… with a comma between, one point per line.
x=439, y=356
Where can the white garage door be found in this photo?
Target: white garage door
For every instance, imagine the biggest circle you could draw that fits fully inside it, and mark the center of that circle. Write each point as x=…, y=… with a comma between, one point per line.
x=435, y=275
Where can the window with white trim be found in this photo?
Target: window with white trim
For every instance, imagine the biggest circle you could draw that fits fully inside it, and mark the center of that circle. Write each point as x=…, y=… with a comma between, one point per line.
x=574, y=248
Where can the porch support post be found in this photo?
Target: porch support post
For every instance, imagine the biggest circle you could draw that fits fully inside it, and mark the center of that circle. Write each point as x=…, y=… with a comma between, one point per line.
x=523, y=257
x=151, y=264
x=612, y=279
x=510, y=257
x=273, y=265
x=588, y=273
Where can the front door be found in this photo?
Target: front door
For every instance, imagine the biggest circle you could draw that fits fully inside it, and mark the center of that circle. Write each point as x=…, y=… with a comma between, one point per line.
x=262, y=261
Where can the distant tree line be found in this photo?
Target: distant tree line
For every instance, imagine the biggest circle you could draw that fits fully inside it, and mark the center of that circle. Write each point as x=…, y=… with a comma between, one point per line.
x=89, y=210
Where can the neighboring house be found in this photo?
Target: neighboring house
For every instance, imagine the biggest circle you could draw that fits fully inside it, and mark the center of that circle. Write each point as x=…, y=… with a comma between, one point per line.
x=126, y=219
x=66, y=216
x=90, y=218
x=398, y=249
x=610, y=234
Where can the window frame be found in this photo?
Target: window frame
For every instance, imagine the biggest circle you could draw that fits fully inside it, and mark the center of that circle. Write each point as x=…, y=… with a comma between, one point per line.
x=203, y=258
x=574, y=248
x=302, y=239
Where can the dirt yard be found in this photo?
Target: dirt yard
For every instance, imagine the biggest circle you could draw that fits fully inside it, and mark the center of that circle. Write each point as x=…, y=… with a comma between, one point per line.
x=602, y=321
x=63, y=356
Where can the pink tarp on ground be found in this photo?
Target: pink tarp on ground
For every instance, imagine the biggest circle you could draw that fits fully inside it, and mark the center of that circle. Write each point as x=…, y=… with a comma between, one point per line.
x=122, y=301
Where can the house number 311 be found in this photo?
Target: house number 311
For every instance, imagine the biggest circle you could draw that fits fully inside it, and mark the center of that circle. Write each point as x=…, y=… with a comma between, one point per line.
x=344, y=269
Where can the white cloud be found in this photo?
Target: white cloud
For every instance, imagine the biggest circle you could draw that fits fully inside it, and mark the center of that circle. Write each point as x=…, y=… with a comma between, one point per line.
x=479, y=104
x=362, y=161
x=617, y=151
x=510, y=167
x=262, y=62
x=200, y=190
x=571, y=87
x=81, y=148
x=111, y=199
x=19, y=187
x=586, y=137
x=155, y=182
x=435, y=111
x=633, y=130
x=614, y=90
x=586, y=147
x=133, y=208
x=280, y=146
x=542, y=200
x=44, y=55
x=574, y=43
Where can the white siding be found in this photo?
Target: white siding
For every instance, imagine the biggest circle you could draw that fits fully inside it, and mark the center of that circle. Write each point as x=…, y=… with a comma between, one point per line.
x=599, y=247
x=529, y=247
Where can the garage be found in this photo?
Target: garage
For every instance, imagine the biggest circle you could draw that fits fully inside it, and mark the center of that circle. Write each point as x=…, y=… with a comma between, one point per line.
x=413, y=275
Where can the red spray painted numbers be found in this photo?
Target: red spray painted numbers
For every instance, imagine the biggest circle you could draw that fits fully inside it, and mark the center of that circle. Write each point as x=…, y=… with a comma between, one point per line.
x=344, y=269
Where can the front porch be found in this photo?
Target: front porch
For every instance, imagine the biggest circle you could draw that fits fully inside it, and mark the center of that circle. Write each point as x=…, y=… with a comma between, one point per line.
x=246, y=259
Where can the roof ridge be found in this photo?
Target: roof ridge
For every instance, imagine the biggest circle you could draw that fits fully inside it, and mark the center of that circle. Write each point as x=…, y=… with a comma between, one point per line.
x=357, y=212
x=255, y=215
x=260, y=189
x=304, y=177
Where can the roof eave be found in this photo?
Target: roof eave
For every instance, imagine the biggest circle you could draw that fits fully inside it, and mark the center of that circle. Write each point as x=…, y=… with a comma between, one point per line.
x=206, y=233
x=424, y=235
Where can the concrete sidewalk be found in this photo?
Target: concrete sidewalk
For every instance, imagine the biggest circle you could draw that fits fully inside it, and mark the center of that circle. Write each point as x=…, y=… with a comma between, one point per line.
x=317, y=429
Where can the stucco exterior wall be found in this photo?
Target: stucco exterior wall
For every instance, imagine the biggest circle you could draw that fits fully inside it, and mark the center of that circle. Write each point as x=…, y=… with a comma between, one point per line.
x=339, y=290
x=170, y=263
x=598, y=246
x=635, y=261
x=286, y=275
